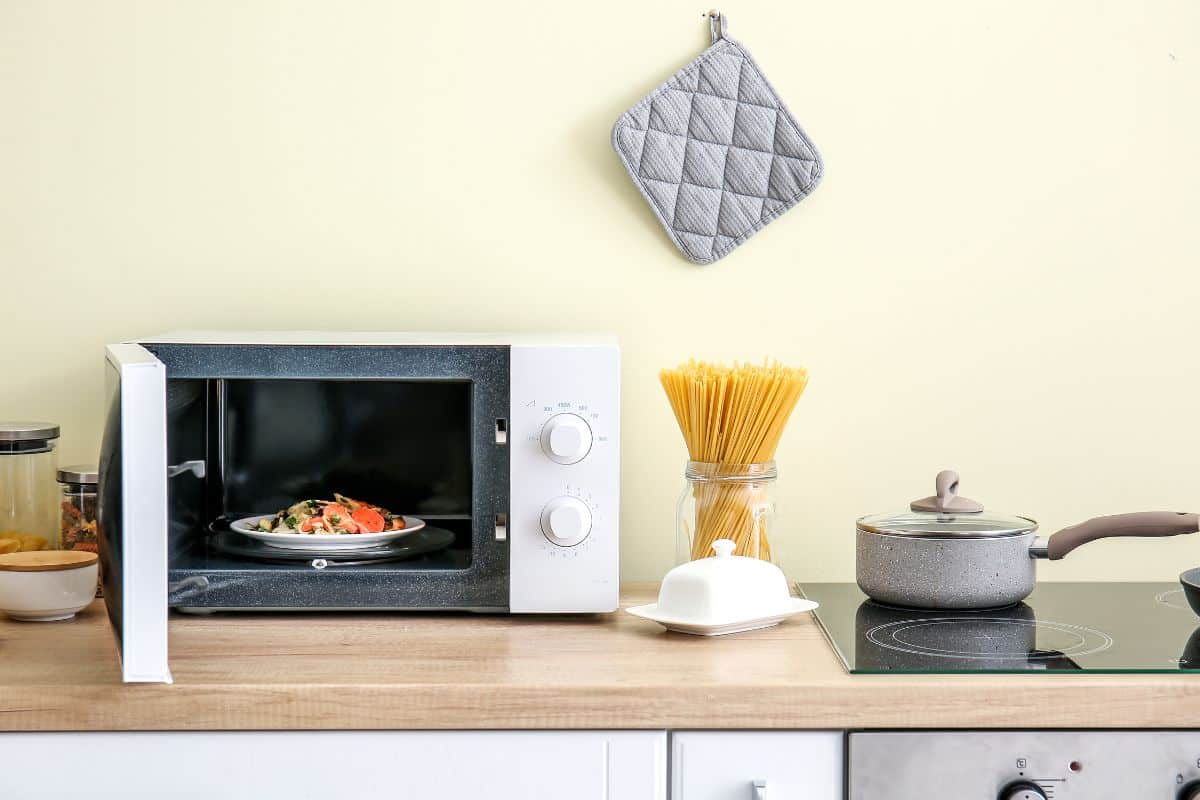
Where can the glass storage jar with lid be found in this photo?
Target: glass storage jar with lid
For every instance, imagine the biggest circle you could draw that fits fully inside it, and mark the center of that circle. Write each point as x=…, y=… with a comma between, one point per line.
x=28, y=493
x=77, y=499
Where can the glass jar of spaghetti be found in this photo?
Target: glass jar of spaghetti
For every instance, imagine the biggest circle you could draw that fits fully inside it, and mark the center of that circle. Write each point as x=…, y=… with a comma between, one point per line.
x=726, y=501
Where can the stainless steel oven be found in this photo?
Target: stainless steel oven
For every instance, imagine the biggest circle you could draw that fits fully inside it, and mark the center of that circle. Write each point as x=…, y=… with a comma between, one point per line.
x=506, y=448
x=1025, y=765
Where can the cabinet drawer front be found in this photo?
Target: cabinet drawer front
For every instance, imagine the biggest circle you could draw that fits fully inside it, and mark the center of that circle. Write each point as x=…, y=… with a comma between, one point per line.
x=713, y=765
x=363, y=765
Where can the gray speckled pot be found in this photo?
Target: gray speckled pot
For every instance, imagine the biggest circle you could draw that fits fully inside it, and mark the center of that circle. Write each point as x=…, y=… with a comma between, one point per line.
x=946, y=553
x=926, y=572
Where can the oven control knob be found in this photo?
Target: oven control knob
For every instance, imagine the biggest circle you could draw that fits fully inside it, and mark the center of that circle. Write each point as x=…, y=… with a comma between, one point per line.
x=566, y=438
x=1022, y=790
x=1190, y=791
x=566, y=521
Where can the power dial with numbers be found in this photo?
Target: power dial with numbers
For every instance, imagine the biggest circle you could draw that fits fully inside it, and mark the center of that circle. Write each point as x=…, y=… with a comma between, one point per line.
x=566, y=438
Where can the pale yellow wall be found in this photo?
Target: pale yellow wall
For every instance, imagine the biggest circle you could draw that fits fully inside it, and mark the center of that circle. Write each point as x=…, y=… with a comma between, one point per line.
x=999, y=273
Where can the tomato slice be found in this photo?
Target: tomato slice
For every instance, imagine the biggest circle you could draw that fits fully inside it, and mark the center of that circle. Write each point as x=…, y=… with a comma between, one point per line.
x=370, y=520
x=335, y=510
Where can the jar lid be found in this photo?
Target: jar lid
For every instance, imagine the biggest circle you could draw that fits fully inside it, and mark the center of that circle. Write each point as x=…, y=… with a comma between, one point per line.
x=946, y=515
x=46, y=560
x=27, y=431
x=79, y=473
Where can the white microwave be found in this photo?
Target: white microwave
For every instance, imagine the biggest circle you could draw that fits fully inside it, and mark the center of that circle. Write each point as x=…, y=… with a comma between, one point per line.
x=505, y=447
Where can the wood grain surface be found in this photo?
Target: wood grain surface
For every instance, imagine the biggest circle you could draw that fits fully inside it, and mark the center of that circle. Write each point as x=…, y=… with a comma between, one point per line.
x=46, y=560
x=424, y=671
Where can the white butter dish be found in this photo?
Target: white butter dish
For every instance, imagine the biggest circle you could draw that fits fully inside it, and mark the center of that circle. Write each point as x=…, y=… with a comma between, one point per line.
x=722, y=594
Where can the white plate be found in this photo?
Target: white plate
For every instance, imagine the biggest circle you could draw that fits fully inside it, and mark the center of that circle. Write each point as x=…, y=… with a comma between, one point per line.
x=795, y=605
x=341, y=542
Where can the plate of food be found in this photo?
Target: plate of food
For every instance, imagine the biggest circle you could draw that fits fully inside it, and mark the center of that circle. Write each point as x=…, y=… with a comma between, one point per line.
x=339, y=524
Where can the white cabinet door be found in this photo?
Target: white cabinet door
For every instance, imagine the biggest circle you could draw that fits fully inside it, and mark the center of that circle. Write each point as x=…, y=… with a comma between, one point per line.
x=335, y=765
x=715, y=765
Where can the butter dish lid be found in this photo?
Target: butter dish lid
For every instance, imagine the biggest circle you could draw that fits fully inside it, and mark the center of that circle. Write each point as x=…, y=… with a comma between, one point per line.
x=723, y=588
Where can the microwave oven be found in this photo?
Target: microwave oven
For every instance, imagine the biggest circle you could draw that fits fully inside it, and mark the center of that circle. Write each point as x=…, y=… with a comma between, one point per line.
x=506, y=447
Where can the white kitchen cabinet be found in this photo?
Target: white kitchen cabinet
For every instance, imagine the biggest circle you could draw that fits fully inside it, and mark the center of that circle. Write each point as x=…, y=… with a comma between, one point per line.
x=346, y=765
x=726, y=765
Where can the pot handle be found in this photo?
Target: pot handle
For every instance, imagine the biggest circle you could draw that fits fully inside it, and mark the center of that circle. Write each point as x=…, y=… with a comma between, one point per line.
x=1141, y=523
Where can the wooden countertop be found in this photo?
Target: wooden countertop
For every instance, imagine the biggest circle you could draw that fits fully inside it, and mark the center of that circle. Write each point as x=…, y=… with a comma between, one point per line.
x=413, y=671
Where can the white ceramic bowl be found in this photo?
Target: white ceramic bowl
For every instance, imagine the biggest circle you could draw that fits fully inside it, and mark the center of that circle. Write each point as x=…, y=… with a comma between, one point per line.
x=47, y=585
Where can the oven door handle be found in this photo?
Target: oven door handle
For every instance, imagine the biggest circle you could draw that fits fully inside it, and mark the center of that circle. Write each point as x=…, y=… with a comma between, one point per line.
x=195, y=467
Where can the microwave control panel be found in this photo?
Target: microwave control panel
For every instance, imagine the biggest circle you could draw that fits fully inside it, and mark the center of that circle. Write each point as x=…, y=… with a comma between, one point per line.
x=564, y=446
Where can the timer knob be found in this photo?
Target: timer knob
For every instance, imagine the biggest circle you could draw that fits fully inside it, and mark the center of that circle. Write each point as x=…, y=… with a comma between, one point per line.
x=566, y=438
x=566, y=521
x=1190, y=791
x=1022, y=790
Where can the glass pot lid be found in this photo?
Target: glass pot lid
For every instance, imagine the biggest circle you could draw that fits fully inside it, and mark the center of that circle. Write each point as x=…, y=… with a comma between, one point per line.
x=946, y=515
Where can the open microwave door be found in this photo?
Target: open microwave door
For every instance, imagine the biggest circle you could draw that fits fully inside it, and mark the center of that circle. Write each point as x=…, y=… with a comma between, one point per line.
x=133, y=511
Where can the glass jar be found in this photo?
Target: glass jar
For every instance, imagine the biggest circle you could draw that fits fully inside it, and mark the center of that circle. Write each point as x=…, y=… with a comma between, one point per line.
x=28, y=492
x=77, y=501
x=726, y=501
x=77, y=509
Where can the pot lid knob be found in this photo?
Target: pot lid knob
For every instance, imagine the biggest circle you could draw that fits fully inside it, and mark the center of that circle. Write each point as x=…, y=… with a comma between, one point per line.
x=947, y=499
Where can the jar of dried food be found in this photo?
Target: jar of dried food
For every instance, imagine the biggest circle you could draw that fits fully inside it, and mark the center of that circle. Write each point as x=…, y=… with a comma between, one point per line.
x=77, y=504
x=28, y=493
x=77, y=495
x=726, y=501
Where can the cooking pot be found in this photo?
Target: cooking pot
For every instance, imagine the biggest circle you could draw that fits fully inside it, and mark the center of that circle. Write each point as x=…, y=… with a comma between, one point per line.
x=1190, y=580
x=947, y=552
x=1190, y=659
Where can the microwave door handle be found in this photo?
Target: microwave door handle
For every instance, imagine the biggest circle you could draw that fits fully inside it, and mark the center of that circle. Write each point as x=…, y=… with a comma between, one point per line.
x=197, y=468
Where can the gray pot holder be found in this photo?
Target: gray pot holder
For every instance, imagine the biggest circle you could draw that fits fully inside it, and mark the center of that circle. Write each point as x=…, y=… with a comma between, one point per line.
x=715, y=151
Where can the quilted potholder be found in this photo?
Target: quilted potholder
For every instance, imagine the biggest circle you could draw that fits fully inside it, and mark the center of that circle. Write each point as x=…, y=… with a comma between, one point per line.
x=715, y=151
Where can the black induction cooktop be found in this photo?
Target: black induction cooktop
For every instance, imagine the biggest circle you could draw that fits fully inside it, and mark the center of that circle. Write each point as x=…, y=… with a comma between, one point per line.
x=1070, y=628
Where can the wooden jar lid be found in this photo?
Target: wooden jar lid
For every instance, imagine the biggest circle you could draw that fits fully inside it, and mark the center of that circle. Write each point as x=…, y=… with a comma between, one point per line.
x=46, y=560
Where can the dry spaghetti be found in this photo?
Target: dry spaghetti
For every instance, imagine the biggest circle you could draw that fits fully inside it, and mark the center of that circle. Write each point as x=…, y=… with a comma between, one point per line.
x=731, y=418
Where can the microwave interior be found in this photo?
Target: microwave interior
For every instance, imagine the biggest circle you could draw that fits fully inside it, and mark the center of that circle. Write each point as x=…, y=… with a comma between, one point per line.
x=408, y=445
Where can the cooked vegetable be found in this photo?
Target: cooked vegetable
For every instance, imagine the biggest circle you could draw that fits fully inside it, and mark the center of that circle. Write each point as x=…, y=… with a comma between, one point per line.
x=340, y=515
x=369, y=520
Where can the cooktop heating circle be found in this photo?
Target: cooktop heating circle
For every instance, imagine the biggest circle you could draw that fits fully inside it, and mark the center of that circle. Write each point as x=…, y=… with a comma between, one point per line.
x=1173, y=599
x=922, y=636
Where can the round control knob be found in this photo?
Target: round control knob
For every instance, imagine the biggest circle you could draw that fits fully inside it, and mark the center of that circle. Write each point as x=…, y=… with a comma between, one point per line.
x=1190, y=791
x=566, y=438
x=1022, y=790
x=566, y=521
